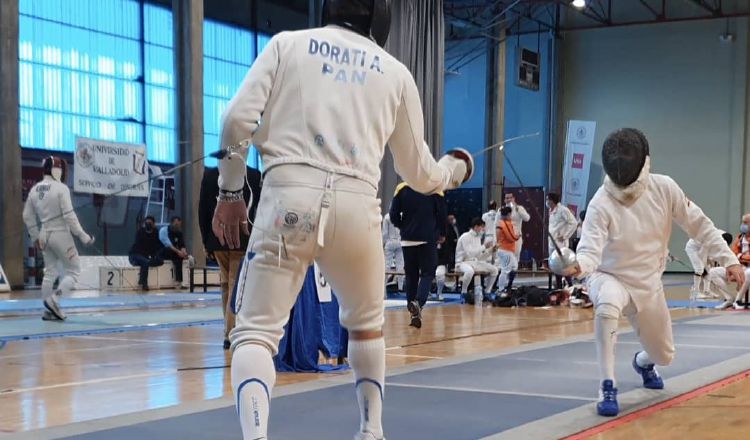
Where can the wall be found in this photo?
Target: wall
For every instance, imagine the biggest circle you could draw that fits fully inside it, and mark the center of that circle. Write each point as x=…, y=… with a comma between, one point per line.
x=526, y=112
x=466, y=104
x=683, y=88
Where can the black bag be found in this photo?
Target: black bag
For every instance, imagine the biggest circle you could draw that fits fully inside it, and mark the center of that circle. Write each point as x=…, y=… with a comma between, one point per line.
x=536, y=297
x=514, y=298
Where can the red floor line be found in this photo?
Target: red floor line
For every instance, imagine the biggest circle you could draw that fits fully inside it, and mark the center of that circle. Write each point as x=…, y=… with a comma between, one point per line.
x=658, y=407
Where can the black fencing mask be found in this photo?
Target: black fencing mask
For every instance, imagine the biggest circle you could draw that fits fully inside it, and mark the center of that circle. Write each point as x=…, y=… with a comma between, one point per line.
x=623, y=155
x=371, y=18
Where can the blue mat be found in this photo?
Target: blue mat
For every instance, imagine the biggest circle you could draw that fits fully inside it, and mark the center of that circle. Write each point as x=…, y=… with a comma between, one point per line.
x=135, y=300
x=468, y=400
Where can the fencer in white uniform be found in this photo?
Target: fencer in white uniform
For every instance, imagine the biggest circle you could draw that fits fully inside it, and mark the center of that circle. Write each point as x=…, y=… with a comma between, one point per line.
x=562, y=226
x=52, y=223
x=320, y=105
x=471, y=256
x=518, y=216
x=698, y=256
x=716, y=279
x=623, y=251
x=394, y=255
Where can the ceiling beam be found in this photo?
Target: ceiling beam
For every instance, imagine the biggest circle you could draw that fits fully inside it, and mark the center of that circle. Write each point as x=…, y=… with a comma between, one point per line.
x=713, y=10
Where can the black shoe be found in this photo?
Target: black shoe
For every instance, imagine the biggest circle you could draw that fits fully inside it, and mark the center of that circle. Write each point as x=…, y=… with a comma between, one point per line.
x=416, y=314
x=227, y=344
x=144, y=287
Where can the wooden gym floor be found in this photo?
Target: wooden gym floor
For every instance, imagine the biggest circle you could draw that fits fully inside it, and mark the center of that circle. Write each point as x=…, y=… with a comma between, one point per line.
x=57, y=381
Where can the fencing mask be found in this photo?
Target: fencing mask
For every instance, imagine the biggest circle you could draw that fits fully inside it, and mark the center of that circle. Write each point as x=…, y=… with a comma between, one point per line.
x=55, y=167
x=371, y=18
x=623, y=155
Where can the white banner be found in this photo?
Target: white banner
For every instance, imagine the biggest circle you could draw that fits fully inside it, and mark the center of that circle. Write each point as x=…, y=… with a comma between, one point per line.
x=107, y=168
x=579, y=145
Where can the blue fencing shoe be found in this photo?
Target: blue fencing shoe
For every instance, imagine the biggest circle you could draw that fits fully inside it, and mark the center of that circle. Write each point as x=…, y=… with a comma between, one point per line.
x=651, y=378
x=608, y=406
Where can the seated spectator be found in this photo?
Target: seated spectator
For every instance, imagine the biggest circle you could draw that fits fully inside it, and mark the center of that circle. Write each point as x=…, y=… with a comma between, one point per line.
x=471, y=256
x=146, y=250
x=174, y=246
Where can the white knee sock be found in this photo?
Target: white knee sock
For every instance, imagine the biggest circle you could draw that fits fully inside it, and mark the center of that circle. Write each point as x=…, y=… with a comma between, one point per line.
x=367, y=359
x=253, y=378
x=642, y=359
x=605, y=329
x=696, y=282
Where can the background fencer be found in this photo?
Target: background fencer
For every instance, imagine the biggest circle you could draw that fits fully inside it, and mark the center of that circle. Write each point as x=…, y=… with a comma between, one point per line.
x=52, y=223
x=623, y=251
x=330, y=99
x=394, y=255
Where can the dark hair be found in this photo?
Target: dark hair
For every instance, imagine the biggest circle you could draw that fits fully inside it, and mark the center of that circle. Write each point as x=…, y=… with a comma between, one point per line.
x=176, y=217
x=505, y=210
x=477, y=221
x=582, y=214
x=493, y=204
x=728, y=238
x=149, y=217
x=554, y=197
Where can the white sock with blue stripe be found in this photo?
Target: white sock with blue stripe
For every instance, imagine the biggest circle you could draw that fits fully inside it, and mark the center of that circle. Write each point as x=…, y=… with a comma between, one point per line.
x=253, y=378
x=367, y=359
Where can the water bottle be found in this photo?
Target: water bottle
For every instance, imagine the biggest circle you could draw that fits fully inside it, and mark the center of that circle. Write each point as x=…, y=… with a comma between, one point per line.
x=478, y=297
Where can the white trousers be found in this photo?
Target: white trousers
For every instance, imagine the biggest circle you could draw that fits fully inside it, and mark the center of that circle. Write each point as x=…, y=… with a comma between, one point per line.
x=506, y=263
x=698, y=263
x=468, y=268
x=59, y=251
x=519, y=248
x=394, y=258
x=351, y=257
x=652, y=323
x=717, y=276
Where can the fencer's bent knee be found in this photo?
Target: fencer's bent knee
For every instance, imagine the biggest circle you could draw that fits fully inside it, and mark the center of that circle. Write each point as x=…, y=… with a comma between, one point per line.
x=607, y=311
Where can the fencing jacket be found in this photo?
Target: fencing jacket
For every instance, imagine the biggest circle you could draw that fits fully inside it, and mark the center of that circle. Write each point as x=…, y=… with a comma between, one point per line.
x=470, y=248
x=330, y=98
x=630, y=242
x=49, y=202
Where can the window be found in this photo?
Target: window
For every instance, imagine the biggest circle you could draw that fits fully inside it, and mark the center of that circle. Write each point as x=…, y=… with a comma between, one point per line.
x=81, y=74
x=228, y=53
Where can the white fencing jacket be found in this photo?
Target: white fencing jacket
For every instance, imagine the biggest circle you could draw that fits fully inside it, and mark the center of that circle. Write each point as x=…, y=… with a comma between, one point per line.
x=631, y=242
x=49, y=208
x=330, y=98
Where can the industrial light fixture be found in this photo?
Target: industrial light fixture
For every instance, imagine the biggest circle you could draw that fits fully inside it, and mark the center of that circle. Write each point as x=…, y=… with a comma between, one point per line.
x=579, y=3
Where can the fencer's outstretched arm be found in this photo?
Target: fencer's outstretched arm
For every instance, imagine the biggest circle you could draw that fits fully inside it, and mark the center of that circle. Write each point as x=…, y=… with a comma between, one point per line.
x=69, y=214
x=242, y=115
x=593, y=239
x=30, y=219
x=411, y=155
x=698, y=226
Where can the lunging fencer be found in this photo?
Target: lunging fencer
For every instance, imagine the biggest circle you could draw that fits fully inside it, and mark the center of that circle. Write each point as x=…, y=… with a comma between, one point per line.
x=52, y=223
x=321, y=105
x=623, y=252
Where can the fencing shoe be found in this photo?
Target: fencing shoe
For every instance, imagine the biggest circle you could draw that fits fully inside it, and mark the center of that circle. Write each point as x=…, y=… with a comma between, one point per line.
x=366, y=436
x=54, y=308
x=416, y=314
x=47, y=316
x=608, y=406
x=651, y=378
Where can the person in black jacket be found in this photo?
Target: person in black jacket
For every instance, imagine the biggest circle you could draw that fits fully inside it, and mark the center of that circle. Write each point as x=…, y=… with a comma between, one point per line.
x=446, y=254
x=421, y=220
x=146, y=250
x=229, y=261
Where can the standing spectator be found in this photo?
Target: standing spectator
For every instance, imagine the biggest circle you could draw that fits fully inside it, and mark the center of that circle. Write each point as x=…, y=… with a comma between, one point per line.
x=229, y=261
x=506, y=252
x=490, y=218
x=394, y=256
x=421, y=220
x=579, y=230
x=562, y=226
x=471, y=256
x=446, y=254
x=518, y=216
x=174, y=246
x=146, y=250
